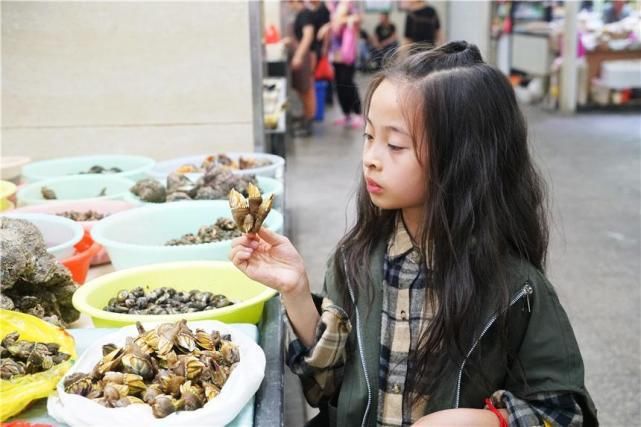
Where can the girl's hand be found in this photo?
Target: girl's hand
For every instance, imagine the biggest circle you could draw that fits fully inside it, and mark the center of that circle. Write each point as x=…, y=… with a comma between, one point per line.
x=270, y=259
x=462, y=417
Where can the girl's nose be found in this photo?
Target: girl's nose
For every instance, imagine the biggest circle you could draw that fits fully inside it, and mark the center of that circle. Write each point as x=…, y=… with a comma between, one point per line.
x=371, y=162
x=371, y=156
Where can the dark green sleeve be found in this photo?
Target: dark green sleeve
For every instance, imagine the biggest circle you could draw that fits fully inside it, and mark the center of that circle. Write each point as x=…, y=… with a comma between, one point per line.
x=549, y=354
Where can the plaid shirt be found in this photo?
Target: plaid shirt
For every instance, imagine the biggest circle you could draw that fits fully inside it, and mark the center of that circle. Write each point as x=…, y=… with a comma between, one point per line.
x=403, y=315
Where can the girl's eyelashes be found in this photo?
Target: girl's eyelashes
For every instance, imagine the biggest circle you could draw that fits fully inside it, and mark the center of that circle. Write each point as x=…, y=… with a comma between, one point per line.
x=395, y=147
x=367, y=136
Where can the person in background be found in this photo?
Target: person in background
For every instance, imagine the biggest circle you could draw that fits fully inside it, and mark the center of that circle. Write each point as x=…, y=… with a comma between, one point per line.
x=615, y=10
x=343, y=51
x=322, y=19
x=422, y=24
x=302, y=65
x=385, y=39
x=366, y=51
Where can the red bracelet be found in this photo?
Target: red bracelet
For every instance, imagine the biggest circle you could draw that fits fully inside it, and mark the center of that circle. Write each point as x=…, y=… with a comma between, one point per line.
x=491, y=407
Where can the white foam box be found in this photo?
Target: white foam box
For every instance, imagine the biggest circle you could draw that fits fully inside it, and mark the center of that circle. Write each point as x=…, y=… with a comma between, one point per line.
x=624, y=74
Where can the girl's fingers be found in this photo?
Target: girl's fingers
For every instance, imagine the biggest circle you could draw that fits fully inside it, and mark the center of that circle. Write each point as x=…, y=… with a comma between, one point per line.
x=240, y=253
x=246, y=241
x=241, y=260
x=270, y=237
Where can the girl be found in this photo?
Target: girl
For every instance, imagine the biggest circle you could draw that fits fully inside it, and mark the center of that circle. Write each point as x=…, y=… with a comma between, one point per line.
x=435, y=309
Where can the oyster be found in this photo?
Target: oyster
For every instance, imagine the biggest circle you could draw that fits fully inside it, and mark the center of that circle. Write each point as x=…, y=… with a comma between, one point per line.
x=150, y=190
x=249, y=213
x=33, y=282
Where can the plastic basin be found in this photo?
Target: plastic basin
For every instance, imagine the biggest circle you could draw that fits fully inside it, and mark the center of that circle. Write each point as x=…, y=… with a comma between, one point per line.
x=60, y=234
x=213, y=276
x=7, y=189
x=136, y=237
x=274, y=170
x=6, y=205
x=133, y=167
x=100, y=206
x=78, y=264
x=11, y=167
x=80, y=187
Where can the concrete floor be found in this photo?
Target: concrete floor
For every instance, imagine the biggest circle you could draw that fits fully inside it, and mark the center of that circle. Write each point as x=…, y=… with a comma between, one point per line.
x=591, y=164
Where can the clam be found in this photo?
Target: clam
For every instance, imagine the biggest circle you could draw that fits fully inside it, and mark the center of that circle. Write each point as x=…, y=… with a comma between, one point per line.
x=9, y=368
x=203, y=339
x=170, y=384
x=163, y=405
x=191, y=397
x=192, y=367
x=114, y=377
x=96, y=391
x=185, y=340
x=10, y=339
x=112, y=392
x=218, y=375
x=230, y=352
x=78, y=383
x=109, y=362
x=139, y=365
x=135, y=383
x=151, y=393
x=215, y=338
x=166, y=337
x=48, y=193
x=211, y=391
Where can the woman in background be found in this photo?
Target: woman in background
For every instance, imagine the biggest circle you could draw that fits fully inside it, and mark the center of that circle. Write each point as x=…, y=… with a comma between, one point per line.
x=345, y=29
x=302, y=64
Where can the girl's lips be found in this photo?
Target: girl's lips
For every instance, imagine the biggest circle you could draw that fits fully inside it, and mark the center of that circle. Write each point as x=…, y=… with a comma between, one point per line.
x=373, y=187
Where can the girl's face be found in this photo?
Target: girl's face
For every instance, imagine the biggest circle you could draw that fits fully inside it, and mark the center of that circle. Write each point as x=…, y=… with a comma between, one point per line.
x=394, y=177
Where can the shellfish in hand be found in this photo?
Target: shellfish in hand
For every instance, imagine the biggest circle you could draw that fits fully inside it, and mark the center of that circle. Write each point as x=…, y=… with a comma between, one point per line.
x=250, y=212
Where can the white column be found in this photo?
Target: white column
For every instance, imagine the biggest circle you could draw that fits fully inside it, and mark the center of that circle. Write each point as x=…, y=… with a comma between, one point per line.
x=567, y=99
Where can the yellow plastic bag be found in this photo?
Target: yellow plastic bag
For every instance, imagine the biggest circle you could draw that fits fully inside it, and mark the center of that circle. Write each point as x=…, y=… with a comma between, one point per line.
x=17, y=393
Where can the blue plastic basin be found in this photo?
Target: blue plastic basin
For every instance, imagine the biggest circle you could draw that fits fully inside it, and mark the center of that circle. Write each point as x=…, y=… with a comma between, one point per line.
x=133, y=167
x=79, y=187
x=137, y=236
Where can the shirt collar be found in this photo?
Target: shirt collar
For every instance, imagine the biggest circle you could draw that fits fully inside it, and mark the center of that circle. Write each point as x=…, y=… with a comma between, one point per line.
x=400, y=243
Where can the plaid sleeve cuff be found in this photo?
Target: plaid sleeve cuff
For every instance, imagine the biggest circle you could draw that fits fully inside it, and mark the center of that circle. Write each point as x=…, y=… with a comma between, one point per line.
x=320, y=367
x=547, y=409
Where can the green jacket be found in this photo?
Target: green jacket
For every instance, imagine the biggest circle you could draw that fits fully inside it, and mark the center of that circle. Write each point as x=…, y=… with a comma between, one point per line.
x=540, y=333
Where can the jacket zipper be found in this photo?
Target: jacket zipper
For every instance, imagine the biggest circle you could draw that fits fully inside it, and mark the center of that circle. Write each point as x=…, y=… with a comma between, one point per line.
x=359, y=343
x=526, y=291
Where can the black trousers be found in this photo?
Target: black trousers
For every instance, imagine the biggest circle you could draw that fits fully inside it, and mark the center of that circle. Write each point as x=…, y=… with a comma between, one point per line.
x=346, y=88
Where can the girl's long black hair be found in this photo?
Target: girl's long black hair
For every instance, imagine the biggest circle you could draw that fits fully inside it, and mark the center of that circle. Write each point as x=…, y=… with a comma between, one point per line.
x=485, y=200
